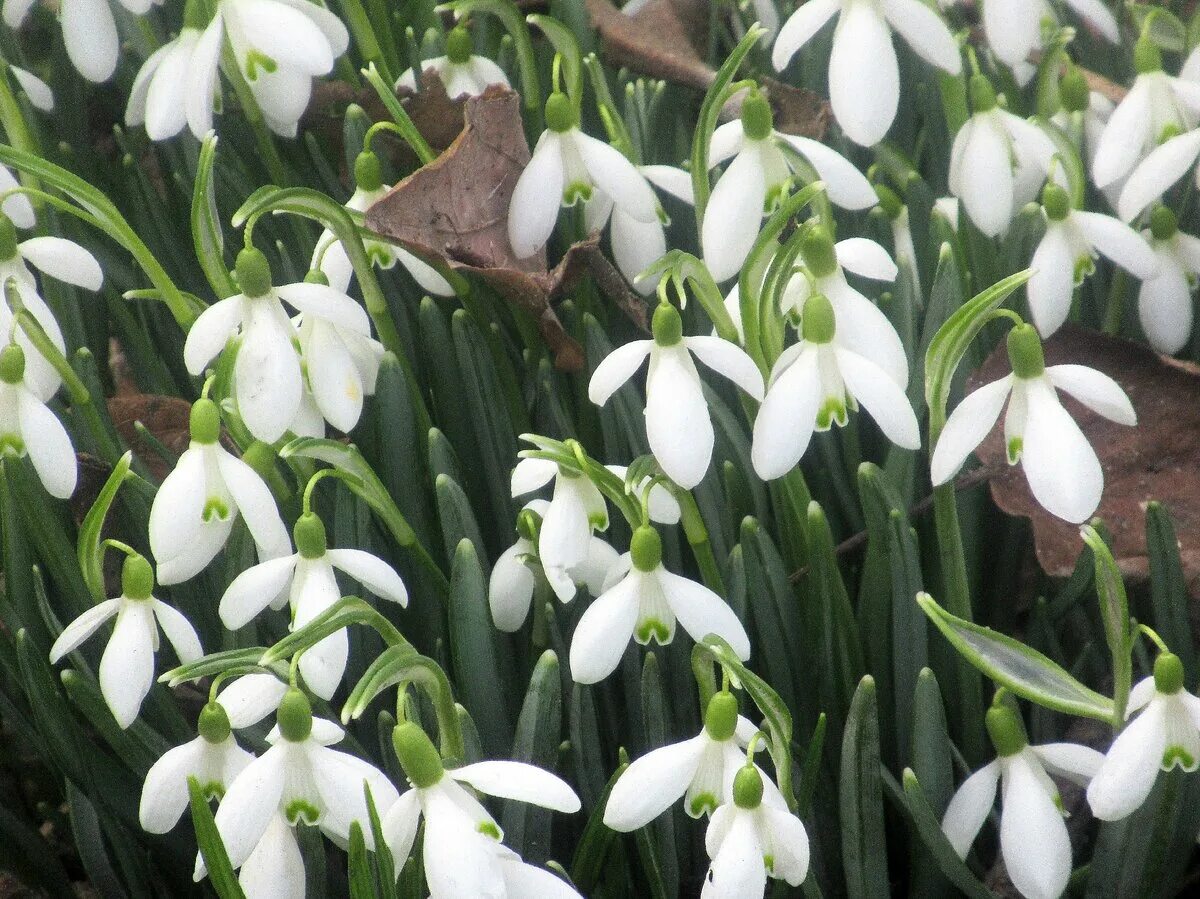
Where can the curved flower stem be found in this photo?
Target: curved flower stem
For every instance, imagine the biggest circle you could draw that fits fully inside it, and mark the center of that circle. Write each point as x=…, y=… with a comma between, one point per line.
x=253, y=113
x=365, y=38
x=402, y=124
x=697, y=536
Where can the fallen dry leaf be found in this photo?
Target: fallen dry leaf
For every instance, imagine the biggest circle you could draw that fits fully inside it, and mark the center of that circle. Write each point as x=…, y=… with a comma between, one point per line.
x=165, y=417
x=1159, y=459
x=456, y=208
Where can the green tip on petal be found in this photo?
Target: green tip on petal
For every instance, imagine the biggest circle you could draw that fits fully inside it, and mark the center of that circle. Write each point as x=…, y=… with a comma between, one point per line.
x=367, y=172
x=818, y=323
x=137, y=578
x=747, y=788
x=1147, y=57
x=816, y=248
x=646, y=548
x=560, y=114
x=667, y=325
x=757, y=120
x=983, y=95
x=1168, y=673
x=8, y=238
x=1056, y=202
x=1163, y=223
x=720, y=718
x=214, y=723
x=12, y=364
x=205, y=423
x=418, y=756
x=294, y=716
x=309, y=534
x=458, y=45
x=1025, y=352
x=253, y=272
x=1006, y=731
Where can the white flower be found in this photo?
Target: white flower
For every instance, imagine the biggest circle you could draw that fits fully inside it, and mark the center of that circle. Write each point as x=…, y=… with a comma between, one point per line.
x=127, y=665
x=176, y=84
x=59, y=258
x=1158, y=105
x=16, y=206
x=196, y=506
x=27, y=426
x=701, y=770
x=812, y=385
x=331, y=258
x=947, y=208
x=643, y=600
x=1154, y=176
x=1165, y=301
x=677, y=421
x=460, y=70
x=1062, y=469
x=1014, y=27
x=340, y=363
x=250, y=698
x=864, y=75
x=89, y=31
x=461, y=851
x=998, y=161
x=1073, y=239
x=307, y=578
x=299, y=779
x=39, y=93
x=1033, y=835
x=213, y=758
x=763, y=162
x=751, y=837
x=1166, y=734
x=567, y=166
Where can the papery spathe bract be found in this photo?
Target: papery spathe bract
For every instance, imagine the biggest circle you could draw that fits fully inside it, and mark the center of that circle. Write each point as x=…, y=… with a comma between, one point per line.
x=1063, y=471
x=1165, y=301
x=864, y=74
x=461, y=71
x=127, y=665
x=28, y=427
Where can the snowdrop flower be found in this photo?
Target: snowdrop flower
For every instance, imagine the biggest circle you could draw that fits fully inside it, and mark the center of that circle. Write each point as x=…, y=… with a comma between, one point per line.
x=89, y=31
x=307, y=578
x=1083, y=115
x=251, y=697
x=55, y=256
x=331, y=258
x=176, y=84
x=1033, y=835
x=1165, y=301
x=1060, y=465
x=462, y=852
x=751, y=837
x=1157, y=106
x=568, y=166
x=27, y=426
x=947, y=208
x=196, y=506
x=677, y=421
x=1165, y=735
x=1066, y=254
x=643, y=600
x=127, y=665
x=460, y=70
x=701, y=770
x=213, y=758
x=1014, y=27
x=813, y=384
x=299, y=779
x=40, y=96
x=864, y=75
x=998, y=161
x=763, y=163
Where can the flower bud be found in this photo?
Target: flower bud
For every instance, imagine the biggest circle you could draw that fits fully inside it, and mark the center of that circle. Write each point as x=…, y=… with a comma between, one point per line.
x=1163, y=223
x=253, y=273
x=1073, y=91
x=294, y=716
x=418, y=757
x=316, y=276
x=747, y=788
x=8, y=238
x=1006, y=731
x=889, y=202
x=137, y=578
x=529, y=523
x=983, y=95
x=667, y=325
x=720, y=718
x=1056, y=202
x=646, y=548
x=1147, y=58
x=205, y=422
x=816, y=248
x=458, y=45
x=757, y=121
x=367, y=172
x=818, y=324
x=1168, y=673
x=1025, y=352
x=560, y=114
x=12, y=364
x=214, y=723
x=309, y=534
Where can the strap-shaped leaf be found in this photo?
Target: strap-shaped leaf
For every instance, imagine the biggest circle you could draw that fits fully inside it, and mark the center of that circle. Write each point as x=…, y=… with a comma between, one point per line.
x=929, y=830
x=88, y=548
x=208, y=839
x=206, y=222
x=218, y=663
x=863, y=859
x=1114, y=612
x=346, y=611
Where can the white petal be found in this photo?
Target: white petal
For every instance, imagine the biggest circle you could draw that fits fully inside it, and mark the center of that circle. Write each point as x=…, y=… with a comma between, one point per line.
x=333, y=378
x=532, y=474
x=536, y=199
x=524, y=881
x=969, y=808
x=882, y=397
x=1123, y=142
x=1165, y=307
x=786, y=419
x=987, y=192
x=1141, y=694
x=636, y=246
x=255, y=589
x=616, y=368
x=652, y=783
x=341, y=781
x=799, y=29
x=250, y=803
x=968, y=424
x=284, y=34
x=202, y=78
x=275, y=868
x=17, y=207
x=733, y=214
x=75, y=633
x=603, y=632
x=1061, y=466
x=738, y=870
x=788, y=841
x=257, y=505
x=1157, y=172
x=127, y=666
x=865, y=257
x=510, y=588
x=166, y=96
x=175, y=513
x=135, y=108
x=15, y=12
x=1013, y=28
x=702, y=612
x=671, y=179
x=863, y=328
x=267, y=372
x=730, y=360
x=566, y=530
x=328, y=303
x=90, y=35
x=925, y=32
x=727, y=141
x=180, y=633
x=617, y=177
x=593, y=571
x=1094, y=389
x=1119, y=242
x=165, y=791
x=399, y=826
x=48, y=445
x=63, y=259
x=1053, y=280
x=372, y=572
x=864, y=77
x=210, y=332
x=1033, y=835
x=1077, y=763
x=250, y=698
x=1099, y=16
x=458, y=860
x=677, y=422
x=331, y=26
x=39, y=93
x=844, y=183
x=519, y=781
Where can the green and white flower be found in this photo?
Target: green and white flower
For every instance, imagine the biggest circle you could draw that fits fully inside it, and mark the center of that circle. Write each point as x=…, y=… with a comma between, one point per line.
x=28, y=427
x=1165, y=301
x=461, y=71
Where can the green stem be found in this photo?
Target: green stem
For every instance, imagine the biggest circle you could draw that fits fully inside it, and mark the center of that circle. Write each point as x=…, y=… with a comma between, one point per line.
x=258, y=124
x=404, y=125
x=697, y=536
x=16, y=129
x=364, y=37
x=1114, y=313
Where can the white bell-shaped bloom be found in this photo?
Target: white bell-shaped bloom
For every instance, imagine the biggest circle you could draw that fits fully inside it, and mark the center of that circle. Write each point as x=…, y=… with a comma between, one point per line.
x=643, y=601
x=341, y=364
x=998, y=161
x=127, y=665
x=39, y=93
x=59, y=258
x=331, y=258
x=1165, y=735
x=28, y=427
x=568, y=166
x=813, y=385
x=307, y=579
x=514, y=576
x=864, y=75
x=1165, y=301
x=1157, y=172
x=1067, y=252
x=176, y=84
x=699, y=770
x=462, y=852
x=250, y=698
x=678, y=425
x=213, y=758
x=763, y=162
x=299, y=779
x=752, y=837
x=197, y=504
x=1083, y=116
x=1063, y=471
x=460, y=70
x=1033, y=834
x=89, y=31
x=1014, y=27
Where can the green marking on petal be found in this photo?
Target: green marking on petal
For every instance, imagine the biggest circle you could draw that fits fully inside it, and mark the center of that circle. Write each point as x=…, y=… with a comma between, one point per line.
x=653, y=629
x=576, y=192
x=215, y=507
x=301, y=811
x=12, y=443
x=256, y=60
x=1177, y=755
x=489, y=829
x=702, y=804
x=833, y=410
x=1014, y=450
x=213, y=790
x=769, y=861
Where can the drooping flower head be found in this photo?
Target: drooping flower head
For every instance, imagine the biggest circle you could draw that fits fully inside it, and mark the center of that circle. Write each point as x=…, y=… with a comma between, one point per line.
x=1165, y=301
x=89, y=31
x=461, y=71
x=28, y=427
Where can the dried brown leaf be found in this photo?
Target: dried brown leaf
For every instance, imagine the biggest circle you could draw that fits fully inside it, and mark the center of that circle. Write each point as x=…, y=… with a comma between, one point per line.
x=1159, y=459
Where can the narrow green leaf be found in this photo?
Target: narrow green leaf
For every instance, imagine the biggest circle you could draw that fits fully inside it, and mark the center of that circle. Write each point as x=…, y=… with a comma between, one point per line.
x=90, y=552
x=864, y=852
x=1114, y=613
x=208, y=839
x=929, y=830
x=527, y=828
x=1168, y=587
x=206, y=222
